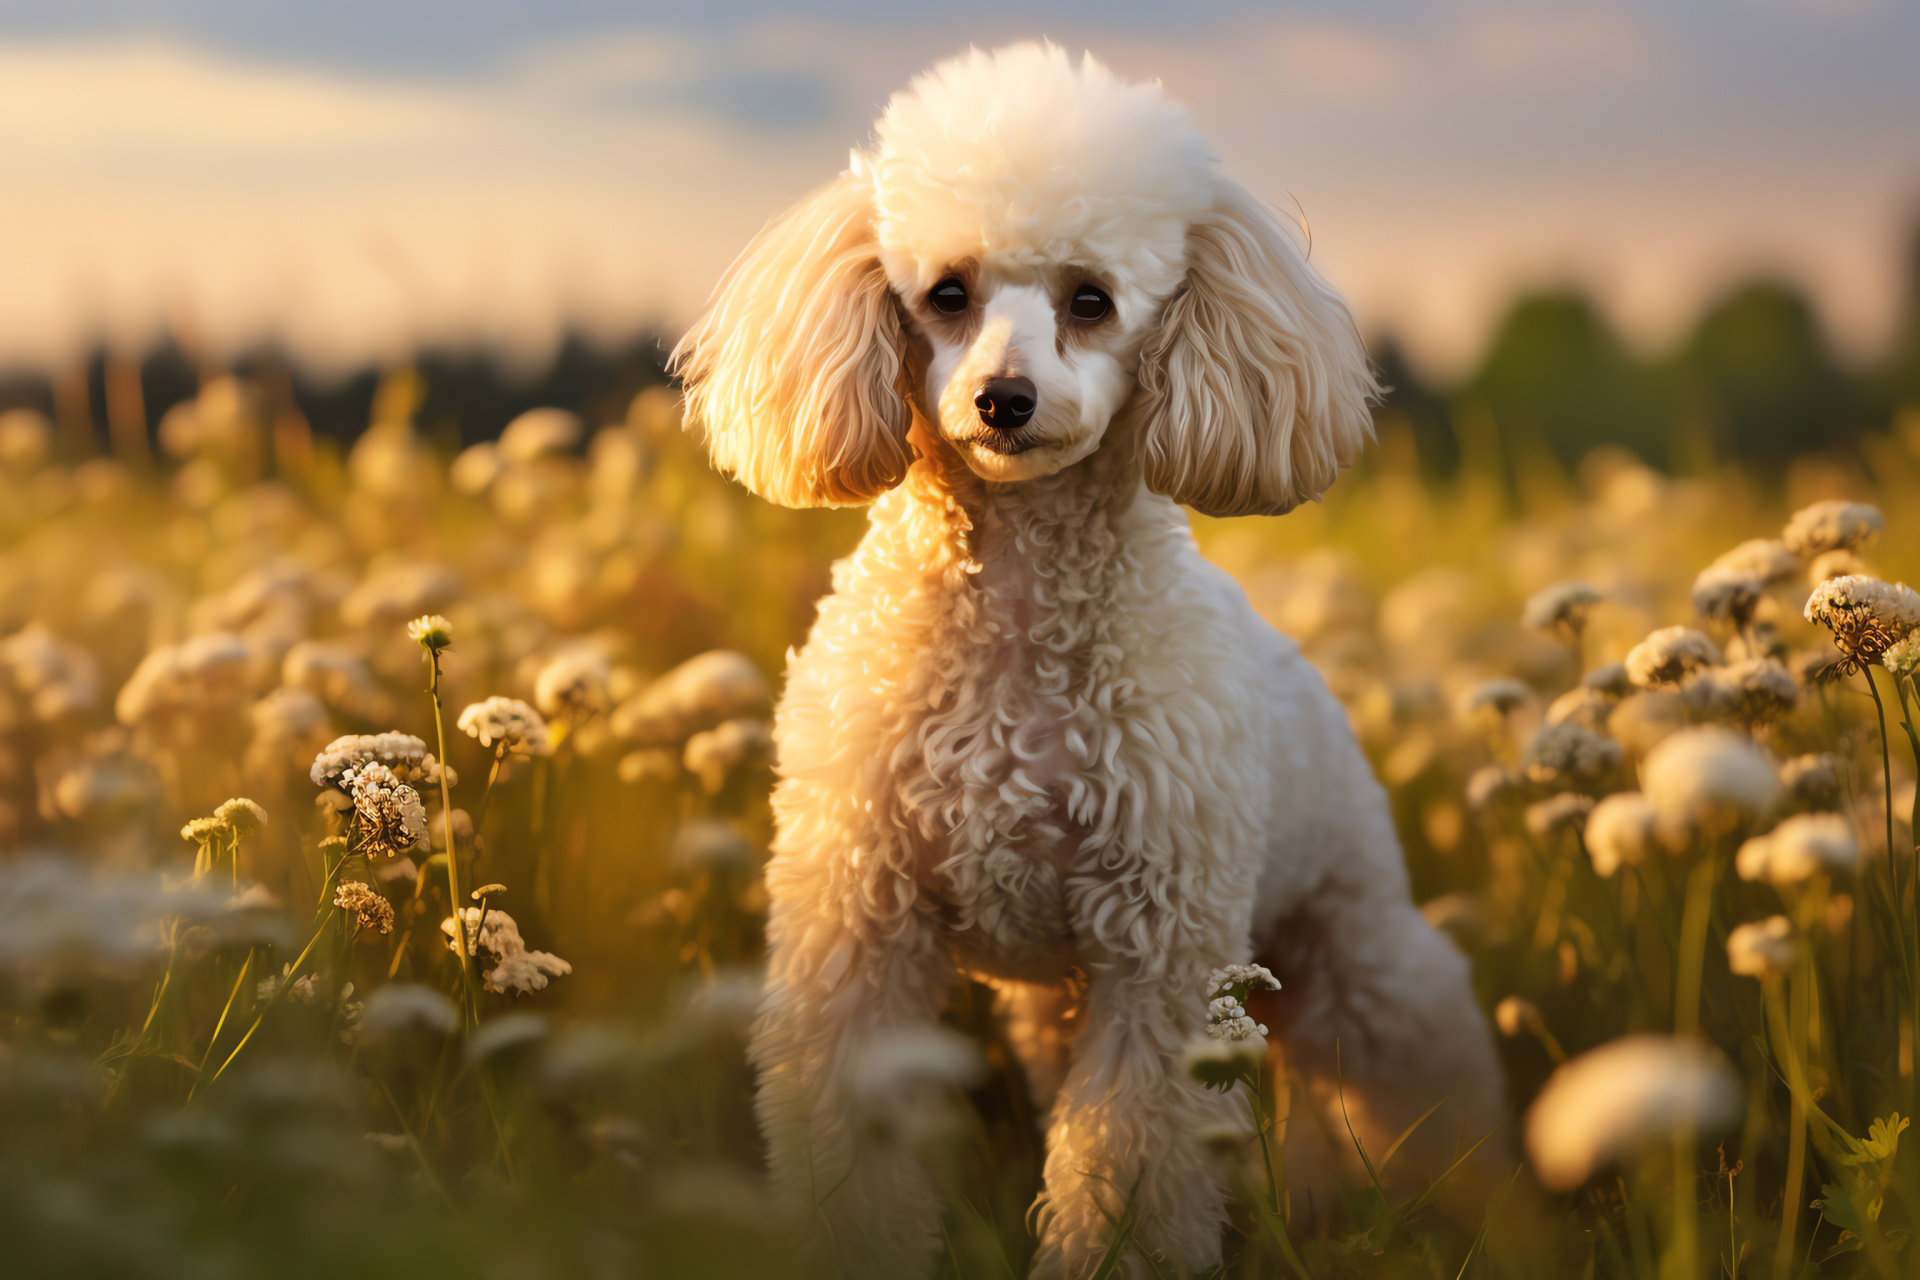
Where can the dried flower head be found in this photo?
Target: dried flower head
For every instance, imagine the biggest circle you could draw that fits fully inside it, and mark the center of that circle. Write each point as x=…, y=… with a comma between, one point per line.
x=1761, y=949
x=1562, y=607
x=202, y=674
x=1623, y=1097
x=713, y=754
x=1902, y=657
x=406, y=755
x=1669, y=656
x=1834, y=525
x=1755, y=691
x=573, y=682
x=1706, y=780
x=1728, y=589
x=431, y=632
x=392, y=817
x=509, y=722
x=373, y=911
x=517, y=970
x=714, y=687
x=244, y=816
x=1866, y=616
x=1567, y=752
x=1611, y=680
x=1619, y=832
x=1799, y=847
x=1491, y=701
x=1813, y=781
x=1565, y=812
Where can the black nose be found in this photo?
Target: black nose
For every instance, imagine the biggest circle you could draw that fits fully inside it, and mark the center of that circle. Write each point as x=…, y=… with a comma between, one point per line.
x=1006, y=403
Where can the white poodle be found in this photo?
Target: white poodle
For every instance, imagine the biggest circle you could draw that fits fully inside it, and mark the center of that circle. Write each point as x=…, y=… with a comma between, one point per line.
x=1034, y=736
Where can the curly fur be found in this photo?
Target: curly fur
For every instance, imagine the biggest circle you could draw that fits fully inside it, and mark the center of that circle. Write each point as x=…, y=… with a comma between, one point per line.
x=1034, y=736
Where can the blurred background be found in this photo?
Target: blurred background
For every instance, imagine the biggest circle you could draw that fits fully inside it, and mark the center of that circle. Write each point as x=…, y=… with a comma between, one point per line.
x=1688, y=228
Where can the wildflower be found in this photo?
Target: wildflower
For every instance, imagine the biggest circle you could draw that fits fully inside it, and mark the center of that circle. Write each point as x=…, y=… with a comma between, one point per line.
x=1619, y=832
x=649, y=764
x=1489, y=784
x=1219, y=1063
x=1754, y=691
x=508, y=722
x=1866, y=616
x=1902, y=657
x=1813, y=781
x=431, y=632
x=201, y=674
x=1611, y=679
x=402, y=1005
x=406, y=755
x=373, y=911
x=392, y=816
x=903, y=1081
x=1227, y=992
x=1623, y=1097
x=244, y=816
x=332, y=673
x=573, y=683
x=1833, y=564
x=1706, y=779
x=1502, y=697
x=713, y=754
x=1581, y=705
x=1564, y=752
x=1565, y=812
x=1728, y=589
x=1762, y=949
x=517, y=970
x=1669, y=655
x=1798, y=847
x=57, y=678
x=397, y=591
x=1833, y=525
x=1562, y=607
x=201, y=830
x=712, y=846
x=699, y=693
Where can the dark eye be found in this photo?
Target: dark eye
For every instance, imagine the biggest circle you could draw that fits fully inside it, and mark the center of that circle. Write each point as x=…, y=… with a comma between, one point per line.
x=1090, y=302
x=949, y=296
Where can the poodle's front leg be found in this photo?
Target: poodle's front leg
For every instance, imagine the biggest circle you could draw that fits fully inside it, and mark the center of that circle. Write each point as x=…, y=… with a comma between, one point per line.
x=836, y=983
x=1126, y=1132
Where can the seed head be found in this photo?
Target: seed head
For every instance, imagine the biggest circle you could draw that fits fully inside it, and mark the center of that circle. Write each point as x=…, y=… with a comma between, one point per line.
x=1799, y=847
x=1833, y=525
x=1670, y=655
x=1706, y=779
x=1562, y=607
x=1619, y=832
x=1866, y=616
x=373, y=911
x=1623, y=1097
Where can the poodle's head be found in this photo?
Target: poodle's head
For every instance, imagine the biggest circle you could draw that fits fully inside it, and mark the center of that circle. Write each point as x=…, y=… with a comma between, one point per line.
x=1031, y=251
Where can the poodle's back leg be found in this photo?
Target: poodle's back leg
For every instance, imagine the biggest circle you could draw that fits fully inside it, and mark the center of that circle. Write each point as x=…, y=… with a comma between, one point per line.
x=1379, y=1023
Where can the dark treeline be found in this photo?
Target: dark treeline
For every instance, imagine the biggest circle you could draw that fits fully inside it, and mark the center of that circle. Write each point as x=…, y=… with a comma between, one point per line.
x=1756, y=382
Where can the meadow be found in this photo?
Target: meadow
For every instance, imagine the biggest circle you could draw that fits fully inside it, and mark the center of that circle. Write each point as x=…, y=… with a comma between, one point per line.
x=382, y=828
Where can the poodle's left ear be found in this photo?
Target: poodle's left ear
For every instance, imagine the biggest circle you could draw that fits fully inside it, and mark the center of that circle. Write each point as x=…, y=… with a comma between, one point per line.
x=796, y=373
x=1253, y=393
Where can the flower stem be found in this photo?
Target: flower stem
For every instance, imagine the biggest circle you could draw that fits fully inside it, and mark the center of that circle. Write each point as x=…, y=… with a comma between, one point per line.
x=468, y=1003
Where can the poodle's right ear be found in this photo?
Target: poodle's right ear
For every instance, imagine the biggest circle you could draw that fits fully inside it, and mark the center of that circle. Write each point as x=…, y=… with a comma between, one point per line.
x=796, y=373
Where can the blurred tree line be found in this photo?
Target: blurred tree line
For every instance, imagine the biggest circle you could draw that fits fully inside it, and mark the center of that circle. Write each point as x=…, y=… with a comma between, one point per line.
x=1756, y=382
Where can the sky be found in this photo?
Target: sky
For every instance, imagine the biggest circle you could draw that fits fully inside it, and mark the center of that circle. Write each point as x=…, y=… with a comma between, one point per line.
x=356, y=181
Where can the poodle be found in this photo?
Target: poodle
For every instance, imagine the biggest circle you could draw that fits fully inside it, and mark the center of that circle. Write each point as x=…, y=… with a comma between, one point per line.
x=1034, y=737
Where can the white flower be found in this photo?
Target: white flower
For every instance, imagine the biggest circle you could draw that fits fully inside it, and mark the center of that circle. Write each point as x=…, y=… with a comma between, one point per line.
x=510, y=721
x=1812, y=780
x=573, y=682
x=713, y=754
x=392, y=816
x=1762, y=948
x=1217, y=1062
x=1561, y=607
x=1623, y=1097
x=701, y=692
x=399, y=1005
x=1501, y=696
x=1669, y=655
x=406, y=755
x=332, y=673
x=1729, y=588
x=517, y=970
x=1567, y=751
x=1254, y=976
x=1798, y=847
x=1866, y=616
x=1706, y=777
x=397, y=592
x=1563, y=812
x=1833, y=525
x=1902, y=658
x=58, y=678
x=1227, y=989
x=903, y=1080
x=1754, y=691
x=712, y=846
x=203, y=673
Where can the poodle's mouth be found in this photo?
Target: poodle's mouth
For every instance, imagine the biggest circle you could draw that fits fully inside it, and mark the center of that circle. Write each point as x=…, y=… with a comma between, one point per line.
x=1007, y=444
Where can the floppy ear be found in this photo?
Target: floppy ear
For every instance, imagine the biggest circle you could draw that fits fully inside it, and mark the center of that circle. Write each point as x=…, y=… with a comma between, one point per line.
x=795, y=373
x=1253, y=392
